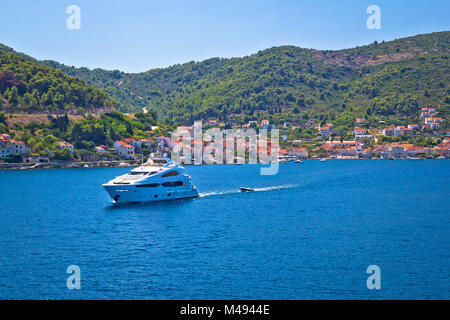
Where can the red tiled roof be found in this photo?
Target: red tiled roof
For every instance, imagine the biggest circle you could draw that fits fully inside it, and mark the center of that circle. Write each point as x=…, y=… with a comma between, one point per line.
x=124, y=144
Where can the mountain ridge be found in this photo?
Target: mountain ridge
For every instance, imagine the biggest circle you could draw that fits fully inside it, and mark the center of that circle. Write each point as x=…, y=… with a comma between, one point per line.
x=286, y=82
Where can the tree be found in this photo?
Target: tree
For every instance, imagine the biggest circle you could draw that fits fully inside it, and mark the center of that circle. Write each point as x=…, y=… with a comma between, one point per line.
x=13, y=97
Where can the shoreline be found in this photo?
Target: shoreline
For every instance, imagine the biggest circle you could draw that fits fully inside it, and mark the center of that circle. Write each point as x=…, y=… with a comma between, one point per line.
x=119, y=164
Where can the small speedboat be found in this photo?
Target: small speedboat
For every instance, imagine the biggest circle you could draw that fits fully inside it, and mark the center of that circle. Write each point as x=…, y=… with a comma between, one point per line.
x=323, y=160
x=245, y=189
x=298, y=161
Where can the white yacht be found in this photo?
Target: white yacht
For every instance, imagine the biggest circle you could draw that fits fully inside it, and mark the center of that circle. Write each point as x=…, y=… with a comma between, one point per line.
x=157, y=179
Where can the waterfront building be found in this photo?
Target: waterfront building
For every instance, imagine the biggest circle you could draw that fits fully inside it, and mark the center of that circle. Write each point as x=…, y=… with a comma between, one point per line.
x=134, y=142
x=125, y=150
x=301, y=153
x=396, y=151
x=9, y=147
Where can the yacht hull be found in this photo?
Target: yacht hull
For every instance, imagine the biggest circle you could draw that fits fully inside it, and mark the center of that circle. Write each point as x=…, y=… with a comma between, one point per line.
x=121, y=194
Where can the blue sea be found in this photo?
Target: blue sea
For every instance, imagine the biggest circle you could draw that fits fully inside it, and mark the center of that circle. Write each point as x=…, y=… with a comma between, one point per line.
x=308, y=232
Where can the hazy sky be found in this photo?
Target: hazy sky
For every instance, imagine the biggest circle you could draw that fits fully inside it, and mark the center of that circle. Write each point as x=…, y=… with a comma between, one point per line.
x=137, y=35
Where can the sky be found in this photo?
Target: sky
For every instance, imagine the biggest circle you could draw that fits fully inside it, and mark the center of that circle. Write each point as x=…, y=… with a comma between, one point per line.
x=138, y=35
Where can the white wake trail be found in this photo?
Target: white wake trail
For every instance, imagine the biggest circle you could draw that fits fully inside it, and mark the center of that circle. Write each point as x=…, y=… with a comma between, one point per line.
x=228, y=192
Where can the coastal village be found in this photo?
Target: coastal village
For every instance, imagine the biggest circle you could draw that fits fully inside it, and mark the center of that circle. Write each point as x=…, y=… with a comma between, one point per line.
x=366, y=143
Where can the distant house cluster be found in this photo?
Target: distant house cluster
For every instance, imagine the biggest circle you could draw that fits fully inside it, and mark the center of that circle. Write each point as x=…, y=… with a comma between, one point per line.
x=356, y=150
x=128, y=147
x=429, y=119
x=399, y=130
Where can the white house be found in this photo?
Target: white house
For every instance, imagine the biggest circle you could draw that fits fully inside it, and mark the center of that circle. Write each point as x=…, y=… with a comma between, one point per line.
x=388, y=132
x=301, y=153
x=134, y=142
x=9, y=147
x=435, y=125
x=65, y=145
x=126, y=151
x=398, y=131
x=397, y=151
x=266, y=125
x=424, y=114
x=363, y=136
x=428, y=120
x=147, y=143
x=324, y=131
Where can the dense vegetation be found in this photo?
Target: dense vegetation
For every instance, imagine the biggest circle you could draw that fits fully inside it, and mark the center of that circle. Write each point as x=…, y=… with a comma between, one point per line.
x=386, y=81
x=84, y=135
x=29, y=86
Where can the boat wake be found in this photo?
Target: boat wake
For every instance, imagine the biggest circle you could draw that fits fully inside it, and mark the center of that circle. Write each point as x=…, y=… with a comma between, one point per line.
x=228, y=192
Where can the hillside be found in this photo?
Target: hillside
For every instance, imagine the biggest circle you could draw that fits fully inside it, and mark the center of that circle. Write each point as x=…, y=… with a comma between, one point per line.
x=29, y=86
x=389, y=79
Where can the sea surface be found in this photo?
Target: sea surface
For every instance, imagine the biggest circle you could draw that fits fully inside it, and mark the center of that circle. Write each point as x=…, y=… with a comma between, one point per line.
x=308, y=232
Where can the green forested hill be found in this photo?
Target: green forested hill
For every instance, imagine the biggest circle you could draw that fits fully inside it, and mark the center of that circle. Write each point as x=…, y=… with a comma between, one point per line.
x=384, y=81
x=26, y=85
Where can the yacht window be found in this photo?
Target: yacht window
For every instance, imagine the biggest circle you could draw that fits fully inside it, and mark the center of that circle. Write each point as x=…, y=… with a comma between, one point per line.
x=148, y=185
x=135, y=173
x=173, y=184
x=159, y=162
x=170, y=174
